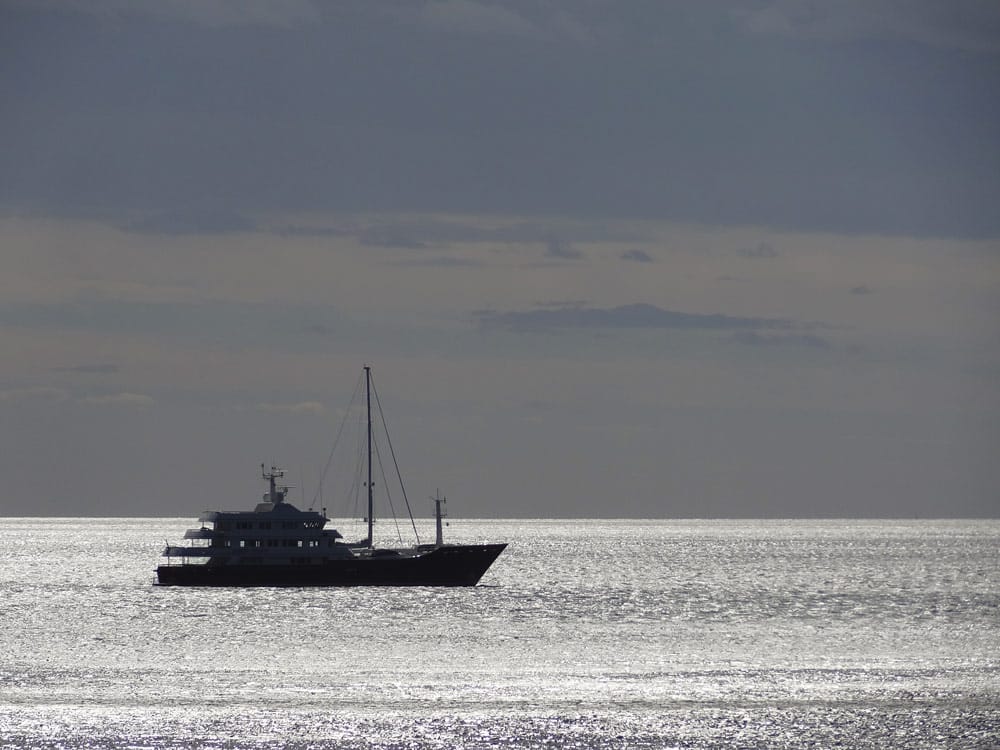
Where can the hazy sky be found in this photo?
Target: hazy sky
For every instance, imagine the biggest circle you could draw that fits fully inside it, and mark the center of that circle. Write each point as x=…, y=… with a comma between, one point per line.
x=606, y=258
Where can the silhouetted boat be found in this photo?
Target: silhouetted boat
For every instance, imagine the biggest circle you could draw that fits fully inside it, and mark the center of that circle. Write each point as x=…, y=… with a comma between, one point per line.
x=276, y=544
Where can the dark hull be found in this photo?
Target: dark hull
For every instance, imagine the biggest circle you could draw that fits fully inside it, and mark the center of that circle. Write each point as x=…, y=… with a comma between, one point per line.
x=457, y=565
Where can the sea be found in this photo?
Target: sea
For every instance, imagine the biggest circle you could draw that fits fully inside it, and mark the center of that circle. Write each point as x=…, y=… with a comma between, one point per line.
x=584, y=634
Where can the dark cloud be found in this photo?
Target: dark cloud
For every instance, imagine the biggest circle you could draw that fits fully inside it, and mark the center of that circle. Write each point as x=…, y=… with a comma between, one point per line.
x=293, y=230
x=127, y=400
x=472, y=18
x=363, y=110
x=969, y=25
x=627, y=316
x=560, y=303
x=442, y=108
x=88, y=369
x=193, y=221
x=33, y=394
x=429, y=232
x=556, y=248
x=381, y=238
x=287, y=14
x=319, y=329
x=443, y=261
x=639, y=256
x=760, y=251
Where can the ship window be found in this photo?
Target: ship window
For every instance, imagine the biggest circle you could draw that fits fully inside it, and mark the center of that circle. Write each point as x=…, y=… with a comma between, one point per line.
x=265, y=524
x=289, y=525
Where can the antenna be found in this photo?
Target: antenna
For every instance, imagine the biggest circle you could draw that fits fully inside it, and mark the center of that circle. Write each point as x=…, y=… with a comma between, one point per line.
x=438, y=515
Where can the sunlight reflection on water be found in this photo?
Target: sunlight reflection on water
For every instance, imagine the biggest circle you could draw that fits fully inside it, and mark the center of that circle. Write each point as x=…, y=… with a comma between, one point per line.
x=584, y=633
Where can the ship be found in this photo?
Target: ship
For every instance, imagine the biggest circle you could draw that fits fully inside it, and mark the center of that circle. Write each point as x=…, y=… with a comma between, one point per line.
x=277, y=544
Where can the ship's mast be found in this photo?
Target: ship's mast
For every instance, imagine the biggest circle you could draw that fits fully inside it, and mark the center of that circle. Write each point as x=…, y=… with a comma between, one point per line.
x=371, y=504
x=275, y=494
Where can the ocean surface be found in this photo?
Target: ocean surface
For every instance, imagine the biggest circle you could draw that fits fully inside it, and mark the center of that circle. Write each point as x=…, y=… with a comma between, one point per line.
x=584, y=634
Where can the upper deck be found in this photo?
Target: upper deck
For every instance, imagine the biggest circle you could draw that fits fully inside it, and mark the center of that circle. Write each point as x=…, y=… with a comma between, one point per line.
x=273, y=528
x=272, y=514
x=265, y=517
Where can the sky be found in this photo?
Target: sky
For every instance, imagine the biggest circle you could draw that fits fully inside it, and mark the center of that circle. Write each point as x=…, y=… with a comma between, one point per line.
x=606, y=259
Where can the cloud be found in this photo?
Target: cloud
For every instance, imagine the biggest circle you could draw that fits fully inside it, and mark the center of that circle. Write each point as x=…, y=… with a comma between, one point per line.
x=40, y=393
x=467, y=17
x=105, y=369
x=168, y=114
x=301, y=407
x=381, y=237
x=970, y=25
x=440, y=262
x=120, y=399
x=206, y=13
x=561, y=249
x=569, y=26
x=197, y=221
x=562, y=303
x=294, y=230
x=421, y=233
x=862, y=289
x=50, y=394
x=429, y=231
x=208, y=322
x=760, y=251
x=627, y=316
x=752, y=338
x=319, y=329
x=638, y=256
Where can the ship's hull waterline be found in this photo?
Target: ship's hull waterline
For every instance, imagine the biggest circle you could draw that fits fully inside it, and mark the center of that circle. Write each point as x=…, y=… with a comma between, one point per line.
x=451, y=565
